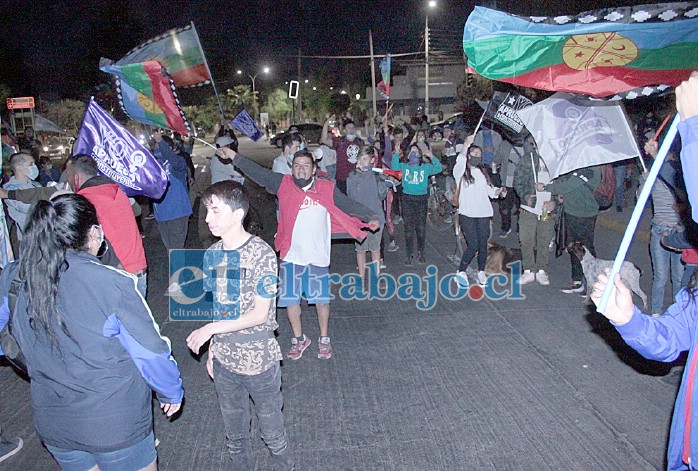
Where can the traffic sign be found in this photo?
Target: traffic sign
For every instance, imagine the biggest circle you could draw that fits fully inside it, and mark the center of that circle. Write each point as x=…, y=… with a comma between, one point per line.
x=20, y=102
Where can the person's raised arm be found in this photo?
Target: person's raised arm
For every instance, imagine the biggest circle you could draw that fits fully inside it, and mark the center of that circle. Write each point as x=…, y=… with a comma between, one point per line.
x=262, y=176
x=687, y=106
x=325, y=137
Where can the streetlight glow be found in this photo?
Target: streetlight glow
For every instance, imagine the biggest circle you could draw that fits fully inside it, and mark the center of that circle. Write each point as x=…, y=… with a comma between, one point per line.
x=266, y=70
x=306, y=80
x=314, y=88
x=239, y=72
x=432, y=3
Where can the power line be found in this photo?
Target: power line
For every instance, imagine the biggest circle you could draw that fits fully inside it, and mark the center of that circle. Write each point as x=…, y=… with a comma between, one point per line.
x=377, y=56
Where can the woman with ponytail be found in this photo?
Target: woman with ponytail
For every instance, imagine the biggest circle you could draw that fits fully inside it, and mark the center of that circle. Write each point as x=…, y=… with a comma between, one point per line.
x=92, y=348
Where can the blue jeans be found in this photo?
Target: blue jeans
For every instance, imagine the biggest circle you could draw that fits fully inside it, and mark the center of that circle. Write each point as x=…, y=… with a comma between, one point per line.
x=136, y=456
x=234, y=392
x=663, y=260
x=620, y=172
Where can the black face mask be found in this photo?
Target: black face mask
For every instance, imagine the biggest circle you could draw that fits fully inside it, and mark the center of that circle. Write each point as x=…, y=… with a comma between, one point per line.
x=302, y=182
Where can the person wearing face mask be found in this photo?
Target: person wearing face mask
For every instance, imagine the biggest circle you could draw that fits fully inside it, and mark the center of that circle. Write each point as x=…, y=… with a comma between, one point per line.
x=368, y=188
x=474, y=208
x=24, y=171
x=416, y=168
x=311, y=211
x=347, y=148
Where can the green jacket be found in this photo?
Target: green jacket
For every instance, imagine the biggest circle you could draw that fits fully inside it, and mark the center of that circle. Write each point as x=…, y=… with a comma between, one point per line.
x=578, y=196
x=415, y=178
x=524, y=182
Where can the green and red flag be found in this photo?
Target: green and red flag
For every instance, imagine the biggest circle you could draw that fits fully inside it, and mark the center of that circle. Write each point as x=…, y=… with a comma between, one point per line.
x=148, y=94
x=179, y=51
x=626, y=51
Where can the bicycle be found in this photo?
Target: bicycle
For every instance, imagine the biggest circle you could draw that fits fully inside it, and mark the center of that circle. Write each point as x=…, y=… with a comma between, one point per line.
x=439, y=208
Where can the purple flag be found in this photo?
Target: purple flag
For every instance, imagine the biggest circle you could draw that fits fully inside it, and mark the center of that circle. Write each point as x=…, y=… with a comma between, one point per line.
x=244, y=123
x=119, y=155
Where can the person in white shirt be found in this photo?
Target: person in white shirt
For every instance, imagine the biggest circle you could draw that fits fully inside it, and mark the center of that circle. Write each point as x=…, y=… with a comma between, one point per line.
x=474, y=209
x=291, y=144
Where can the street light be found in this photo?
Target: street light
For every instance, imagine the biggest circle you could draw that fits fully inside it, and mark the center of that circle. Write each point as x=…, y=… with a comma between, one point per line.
x=432, y=5
x=265, y=70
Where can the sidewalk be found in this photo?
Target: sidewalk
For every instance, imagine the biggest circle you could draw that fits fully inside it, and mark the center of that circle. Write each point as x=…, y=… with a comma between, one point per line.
x=542, y=383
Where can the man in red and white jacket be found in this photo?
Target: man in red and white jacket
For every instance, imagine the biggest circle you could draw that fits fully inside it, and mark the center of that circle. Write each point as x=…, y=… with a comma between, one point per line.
x=311, y=211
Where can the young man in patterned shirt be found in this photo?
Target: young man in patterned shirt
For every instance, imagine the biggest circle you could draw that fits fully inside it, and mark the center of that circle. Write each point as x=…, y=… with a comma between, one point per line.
x=244, y=356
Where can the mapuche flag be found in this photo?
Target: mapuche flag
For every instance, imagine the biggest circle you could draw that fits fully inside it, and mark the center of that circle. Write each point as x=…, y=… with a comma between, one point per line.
x=119, y=155
x=179, y=51
x=384, y=85
x=148, y=95
x=598, y=53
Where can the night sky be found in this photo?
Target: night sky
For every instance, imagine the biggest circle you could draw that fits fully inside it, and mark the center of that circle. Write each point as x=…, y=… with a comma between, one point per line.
x=52, y=49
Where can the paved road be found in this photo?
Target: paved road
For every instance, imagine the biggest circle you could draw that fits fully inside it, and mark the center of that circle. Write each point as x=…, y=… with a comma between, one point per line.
x=541, y=383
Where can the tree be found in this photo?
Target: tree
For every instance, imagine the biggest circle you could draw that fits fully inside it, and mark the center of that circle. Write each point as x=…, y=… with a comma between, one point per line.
x=5, y=93
x=278, y=105
x=237, y=98
x=67, y=114
x=204, y=116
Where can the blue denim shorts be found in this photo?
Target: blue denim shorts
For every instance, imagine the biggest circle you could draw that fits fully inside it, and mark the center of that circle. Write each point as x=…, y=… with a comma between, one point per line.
x=299, y=282
x=135, y=457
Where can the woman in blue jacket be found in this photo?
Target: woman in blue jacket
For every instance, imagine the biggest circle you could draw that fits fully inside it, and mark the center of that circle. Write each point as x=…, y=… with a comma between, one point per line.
x=92, y=348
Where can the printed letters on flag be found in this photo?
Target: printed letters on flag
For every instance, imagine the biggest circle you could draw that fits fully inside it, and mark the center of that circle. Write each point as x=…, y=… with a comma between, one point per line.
x=119, y=155
x=244, y=123
x=179, y=51
x=148, y=95
x=573, y=134
x=502, y=110
x=601, y=53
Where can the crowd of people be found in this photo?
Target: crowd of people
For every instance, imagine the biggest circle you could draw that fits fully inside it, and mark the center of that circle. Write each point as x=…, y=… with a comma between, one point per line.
x=85, y=244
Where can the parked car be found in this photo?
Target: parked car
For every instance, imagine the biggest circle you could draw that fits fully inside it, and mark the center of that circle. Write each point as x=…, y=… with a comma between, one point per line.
x=436, y=130
x=311, y=132
x=56, y=147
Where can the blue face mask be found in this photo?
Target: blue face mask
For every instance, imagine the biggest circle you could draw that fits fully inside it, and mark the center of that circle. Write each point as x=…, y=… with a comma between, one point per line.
x=351, y=137
x=414, y=158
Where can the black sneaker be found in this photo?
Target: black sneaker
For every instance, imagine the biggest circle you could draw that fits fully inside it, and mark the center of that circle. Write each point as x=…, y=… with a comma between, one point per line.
x=409, y=261
x=575, y=287
x=421, y=258
x=619, y=209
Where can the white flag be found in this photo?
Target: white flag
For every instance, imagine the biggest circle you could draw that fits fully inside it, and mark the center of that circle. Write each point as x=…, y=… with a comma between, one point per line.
x=573, y=134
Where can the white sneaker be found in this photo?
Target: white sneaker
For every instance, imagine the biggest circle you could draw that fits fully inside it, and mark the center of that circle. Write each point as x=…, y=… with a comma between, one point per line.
x=393, y=247
x=527, y=277
x=482, y=278
x=542, y=278
x=462, y=279
x=382, y=264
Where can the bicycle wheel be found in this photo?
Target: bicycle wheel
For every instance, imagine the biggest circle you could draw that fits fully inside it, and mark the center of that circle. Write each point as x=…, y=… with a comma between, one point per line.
x=439, y=212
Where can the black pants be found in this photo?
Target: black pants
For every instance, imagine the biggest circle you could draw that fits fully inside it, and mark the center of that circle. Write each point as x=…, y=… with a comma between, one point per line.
x=580, y=229
x=414, y=214
x=506, y=207
x=476, y=232
x=342, y=185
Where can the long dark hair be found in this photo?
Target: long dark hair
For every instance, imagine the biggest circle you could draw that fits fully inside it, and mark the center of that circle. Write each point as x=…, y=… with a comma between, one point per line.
x=53, y=228
x=468, y=174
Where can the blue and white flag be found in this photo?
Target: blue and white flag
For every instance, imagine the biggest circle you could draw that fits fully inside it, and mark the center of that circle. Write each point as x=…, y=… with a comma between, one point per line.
x=244, y=123
x=119, y=155
x=573, y=134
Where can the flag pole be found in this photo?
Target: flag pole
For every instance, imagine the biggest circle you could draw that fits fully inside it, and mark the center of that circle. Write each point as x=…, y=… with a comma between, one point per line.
x=477, y=128
x=637, y=212
x=213, y=84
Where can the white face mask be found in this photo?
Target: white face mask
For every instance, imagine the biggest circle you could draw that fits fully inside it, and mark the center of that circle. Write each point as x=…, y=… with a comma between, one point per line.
x=33, y=172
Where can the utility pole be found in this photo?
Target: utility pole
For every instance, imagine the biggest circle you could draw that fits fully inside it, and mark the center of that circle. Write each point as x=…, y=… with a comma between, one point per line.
x=299, y=100
x=373, y=75
x=426, y=66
